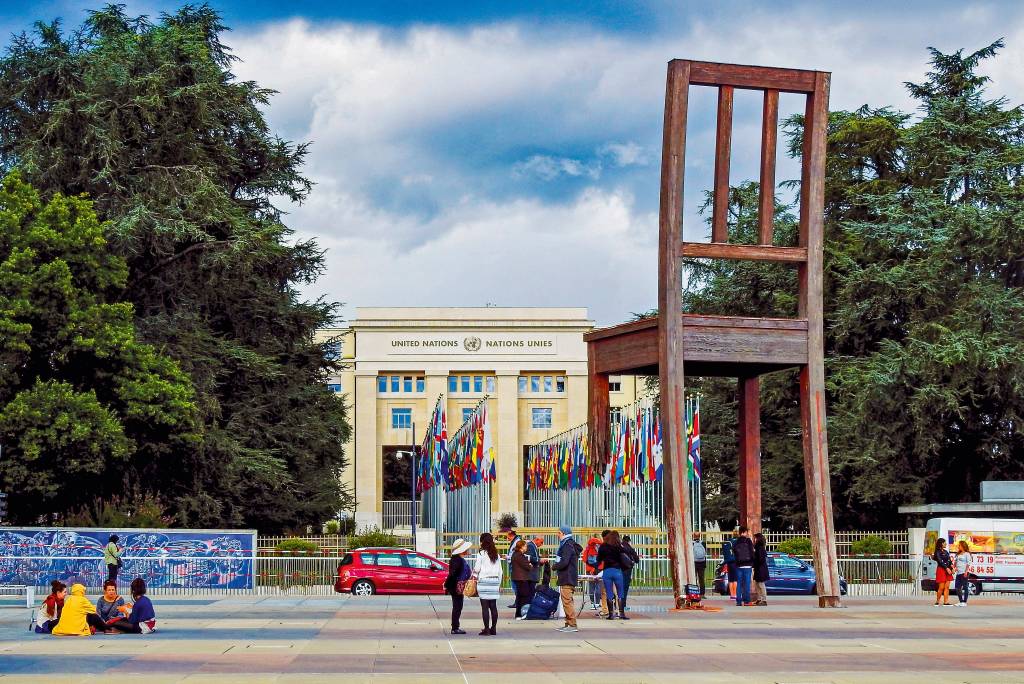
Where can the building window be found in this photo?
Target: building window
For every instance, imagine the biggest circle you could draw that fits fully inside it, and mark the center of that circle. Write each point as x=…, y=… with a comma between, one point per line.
x=465, y=384
x=535, y=383
x=541, y=418
x=522, y=384
x=614, y=383
x=420, y=385
x=549, y=383
x=453, y=384
x=332, y=351
x=560, y=384
x=466, y=413
x=334, y=387
x=615, y=415
x=478, y=383
x=490, y=384
x=382, y=383
x=401, y=418
x=407, y=384
x=395, y=383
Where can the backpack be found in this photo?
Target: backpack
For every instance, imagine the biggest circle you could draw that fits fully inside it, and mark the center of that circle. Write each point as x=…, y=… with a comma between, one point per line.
x=742, y=551
x=625, y=562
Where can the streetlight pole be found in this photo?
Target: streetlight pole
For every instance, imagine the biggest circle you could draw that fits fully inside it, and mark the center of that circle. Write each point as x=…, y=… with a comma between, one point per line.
x=412, y=457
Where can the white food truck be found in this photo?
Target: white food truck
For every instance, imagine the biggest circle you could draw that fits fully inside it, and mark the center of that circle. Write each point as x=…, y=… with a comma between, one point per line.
x=997, y=546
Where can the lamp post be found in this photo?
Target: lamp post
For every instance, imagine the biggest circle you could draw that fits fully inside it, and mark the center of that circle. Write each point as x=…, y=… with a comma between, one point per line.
x=412, y=458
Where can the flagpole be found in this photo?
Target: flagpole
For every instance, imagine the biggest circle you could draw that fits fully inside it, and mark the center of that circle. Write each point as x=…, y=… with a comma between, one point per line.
x=413, y=459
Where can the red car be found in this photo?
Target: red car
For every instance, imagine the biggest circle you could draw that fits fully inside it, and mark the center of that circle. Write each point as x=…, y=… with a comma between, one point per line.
x=364, y=572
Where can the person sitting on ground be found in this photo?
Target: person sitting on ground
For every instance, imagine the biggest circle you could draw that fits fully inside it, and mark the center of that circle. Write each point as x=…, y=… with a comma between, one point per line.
x=142, y=618
x=78, y=618
x=48, y=614
x=111, y=606
x=520, y=572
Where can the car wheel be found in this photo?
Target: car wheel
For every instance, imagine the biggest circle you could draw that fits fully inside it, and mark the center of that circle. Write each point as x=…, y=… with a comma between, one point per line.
x=974, y=588
x=363, y=588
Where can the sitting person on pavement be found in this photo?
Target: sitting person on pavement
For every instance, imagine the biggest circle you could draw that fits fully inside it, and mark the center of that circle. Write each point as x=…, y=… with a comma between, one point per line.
x=78, y=618
x=142, y=619
x=48, y=614
x=111, y=606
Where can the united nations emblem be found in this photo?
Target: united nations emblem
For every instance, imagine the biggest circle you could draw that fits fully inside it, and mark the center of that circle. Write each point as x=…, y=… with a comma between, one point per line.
x=471, y=344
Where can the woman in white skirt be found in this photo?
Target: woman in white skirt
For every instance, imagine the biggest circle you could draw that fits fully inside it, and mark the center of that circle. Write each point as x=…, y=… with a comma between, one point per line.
x=487, y=572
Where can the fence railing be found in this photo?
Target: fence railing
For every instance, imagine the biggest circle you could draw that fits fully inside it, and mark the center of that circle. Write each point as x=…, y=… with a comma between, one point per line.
x=396, y=514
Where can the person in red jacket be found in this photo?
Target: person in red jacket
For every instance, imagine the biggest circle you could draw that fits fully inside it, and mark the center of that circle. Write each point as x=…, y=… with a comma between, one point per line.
x=594, y=567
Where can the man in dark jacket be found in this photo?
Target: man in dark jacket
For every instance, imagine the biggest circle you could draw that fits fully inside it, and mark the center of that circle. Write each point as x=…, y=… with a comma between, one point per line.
x=743, y=550
x=568, y=575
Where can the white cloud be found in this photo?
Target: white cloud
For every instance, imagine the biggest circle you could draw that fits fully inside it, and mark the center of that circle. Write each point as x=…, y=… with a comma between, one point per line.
x=425, y=140
x=549, y=168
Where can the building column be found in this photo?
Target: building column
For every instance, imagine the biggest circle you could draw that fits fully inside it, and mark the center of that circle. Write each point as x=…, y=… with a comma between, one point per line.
x=434, y=384
x=507, y=497
x=749, y=468
x=368, y=467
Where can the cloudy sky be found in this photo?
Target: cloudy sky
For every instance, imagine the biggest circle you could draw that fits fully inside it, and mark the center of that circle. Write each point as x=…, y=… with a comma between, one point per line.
x=507, y=153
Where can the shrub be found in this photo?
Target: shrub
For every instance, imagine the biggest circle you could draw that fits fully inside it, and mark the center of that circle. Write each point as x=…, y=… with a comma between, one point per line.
x=332, y=527
x=372, y=536
x=796, y=546
x=506, y=521
x=871, y=545
x=347, y=526
x=298, y=547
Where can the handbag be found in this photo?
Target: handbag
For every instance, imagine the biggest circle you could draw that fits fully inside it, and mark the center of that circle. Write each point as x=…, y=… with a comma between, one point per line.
x=469, y=588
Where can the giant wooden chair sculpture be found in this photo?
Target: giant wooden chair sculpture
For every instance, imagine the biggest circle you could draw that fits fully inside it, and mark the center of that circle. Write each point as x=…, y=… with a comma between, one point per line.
x=739, y=347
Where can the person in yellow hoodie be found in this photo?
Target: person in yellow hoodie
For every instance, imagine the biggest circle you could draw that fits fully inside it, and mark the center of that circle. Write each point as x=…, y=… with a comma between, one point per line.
x=78, y=615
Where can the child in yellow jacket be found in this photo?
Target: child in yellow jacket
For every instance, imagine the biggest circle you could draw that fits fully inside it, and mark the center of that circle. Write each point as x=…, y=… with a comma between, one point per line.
x=78, y=615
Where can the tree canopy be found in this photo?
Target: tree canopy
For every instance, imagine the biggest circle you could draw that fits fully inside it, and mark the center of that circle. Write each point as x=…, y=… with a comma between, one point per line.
x=146, y=119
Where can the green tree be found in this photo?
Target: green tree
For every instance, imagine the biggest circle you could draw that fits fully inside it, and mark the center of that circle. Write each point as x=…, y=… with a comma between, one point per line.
x=148, y=120
x=87, y=412
x=929, y=400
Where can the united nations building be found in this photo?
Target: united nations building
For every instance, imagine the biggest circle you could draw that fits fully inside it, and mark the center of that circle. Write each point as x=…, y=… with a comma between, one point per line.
x=529, y=364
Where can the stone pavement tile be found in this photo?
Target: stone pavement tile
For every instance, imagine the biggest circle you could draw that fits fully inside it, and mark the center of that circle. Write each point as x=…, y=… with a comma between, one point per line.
x=331, y=663
x=56, y=663
x=245, y=661
x=395, y=664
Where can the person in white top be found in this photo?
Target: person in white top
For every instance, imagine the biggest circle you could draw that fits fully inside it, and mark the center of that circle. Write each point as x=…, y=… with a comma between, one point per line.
x=963, y=567
x=488, y=571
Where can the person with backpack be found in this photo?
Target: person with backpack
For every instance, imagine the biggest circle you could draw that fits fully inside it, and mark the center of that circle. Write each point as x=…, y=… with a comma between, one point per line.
x=454, y=585
x=598, y=599
x=964, y=559
x=730, y=566
x=610, y=556
x=568, y=575
x=627, y=573
x=520, y=570
x=761, y=573
x=743, y=550
x=943, y=573
x=700, y=560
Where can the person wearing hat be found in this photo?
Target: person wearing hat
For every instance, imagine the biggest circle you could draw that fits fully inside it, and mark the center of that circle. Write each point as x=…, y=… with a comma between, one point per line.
x=458, y=572
x=568, y=574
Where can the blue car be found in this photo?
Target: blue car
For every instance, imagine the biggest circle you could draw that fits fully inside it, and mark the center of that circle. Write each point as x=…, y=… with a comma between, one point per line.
x=787, y=575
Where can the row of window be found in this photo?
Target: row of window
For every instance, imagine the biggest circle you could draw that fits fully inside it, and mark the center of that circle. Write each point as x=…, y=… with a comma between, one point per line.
x=540, y=417
x=395, y=384
x=533, y=384
x=465, y=384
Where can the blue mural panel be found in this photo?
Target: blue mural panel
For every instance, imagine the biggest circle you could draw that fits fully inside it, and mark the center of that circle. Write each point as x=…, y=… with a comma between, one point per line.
x=172, y=559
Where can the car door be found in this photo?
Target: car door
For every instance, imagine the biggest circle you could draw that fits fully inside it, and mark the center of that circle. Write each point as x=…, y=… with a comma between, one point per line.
x=425, y=573
x=792, y=575
x=391, y=573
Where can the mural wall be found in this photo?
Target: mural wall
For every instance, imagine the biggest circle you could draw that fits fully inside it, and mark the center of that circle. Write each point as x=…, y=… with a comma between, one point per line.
x=173, y=559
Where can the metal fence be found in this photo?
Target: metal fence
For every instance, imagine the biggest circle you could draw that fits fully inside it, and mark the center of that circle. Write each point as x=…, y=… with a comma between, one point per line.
x=396, y=514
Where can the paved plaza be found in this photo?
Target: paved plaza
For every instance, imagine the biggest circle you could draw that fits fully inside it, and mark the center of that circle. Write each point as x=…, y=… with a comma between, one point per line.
x=295, y=639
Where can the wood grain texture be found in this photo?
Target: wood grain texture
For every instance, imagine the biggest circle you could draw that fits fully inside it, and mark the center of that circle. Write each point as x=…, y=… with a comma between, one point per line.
x=597, y=405
x=812, y=377
x=715, y=250
x=752, y=77
x=723, y=153
x=749, y=467
x=766, y=191
x=670, y=330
